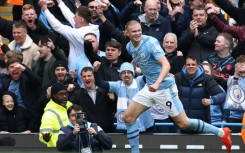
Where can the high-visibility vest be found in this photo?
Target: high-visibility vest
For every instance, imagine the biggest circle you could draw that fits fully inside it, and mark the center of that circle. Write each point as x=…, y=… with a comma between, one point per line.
x=16, y=2
x=54, y=118
x=243, y=129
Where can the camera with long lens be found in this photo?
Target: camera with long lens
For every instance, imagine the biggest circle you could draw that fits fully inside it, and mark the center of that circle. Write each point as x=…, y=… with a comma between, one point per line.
x=82, y=121
x=84, y=141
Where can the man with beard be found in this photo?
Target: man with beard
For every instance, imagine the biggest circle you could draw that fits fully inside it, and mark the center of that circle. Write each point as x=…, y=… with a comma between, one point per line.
x=55, y=116
x=125, y=90
x=61, y=75
x=35, y=28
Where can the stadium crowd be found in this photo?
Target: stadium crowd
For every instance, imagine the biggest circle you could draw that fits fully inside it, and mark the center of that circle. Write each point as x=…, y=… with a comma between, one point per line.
x=59, y=41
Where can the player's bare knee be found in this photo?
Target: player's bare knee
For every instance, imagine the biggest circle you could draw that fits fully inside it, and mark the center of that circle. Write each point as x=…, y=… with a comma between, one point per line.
x=182, y=125
x=128, y=119
x=182, y=121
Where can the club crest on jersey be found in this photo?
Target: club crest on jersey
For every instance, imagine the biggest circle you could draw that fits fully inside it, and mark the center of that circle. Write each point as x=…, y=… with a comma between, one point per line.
x=120, y=116
x=142, y=55
x=237, y=94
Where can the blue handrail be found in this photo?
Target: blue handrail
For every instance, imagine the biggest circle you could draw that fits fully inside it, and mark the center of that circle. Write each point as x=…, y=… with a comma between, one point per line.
x=220, y=124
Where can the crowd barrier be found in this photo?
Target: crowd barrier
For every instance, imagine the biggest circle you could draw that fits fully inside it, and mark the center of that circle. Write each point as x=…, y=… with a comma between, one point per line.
x=218, y=124
x=155, y=141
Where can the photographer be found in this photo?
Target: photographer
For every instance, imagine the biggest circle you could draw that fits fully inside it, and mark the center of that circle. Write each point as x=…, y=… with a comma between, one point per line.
x=94, y=137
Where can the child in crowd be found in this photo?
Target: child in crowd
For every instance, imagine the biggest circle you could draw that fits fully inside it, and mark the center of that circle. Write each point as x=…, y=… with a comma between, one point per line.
x=11, y=115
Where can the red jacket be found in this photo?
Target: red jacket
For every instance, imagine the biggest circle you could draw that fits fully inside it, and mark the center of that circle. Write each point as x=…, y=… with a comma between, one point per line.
x=236, y=31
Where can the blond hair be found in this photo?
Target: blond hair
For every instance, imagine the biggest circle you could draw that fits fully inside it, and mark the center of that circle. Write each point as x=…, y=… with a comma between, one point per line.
x=132, y=22
x=27, y=7
x=6, y=96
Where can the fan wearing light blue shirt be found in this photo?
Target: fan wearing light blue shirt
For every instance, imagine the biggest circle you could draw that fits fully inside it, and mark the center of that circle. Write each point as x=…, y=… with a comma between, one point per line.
x=82, y=61
x=126, y=89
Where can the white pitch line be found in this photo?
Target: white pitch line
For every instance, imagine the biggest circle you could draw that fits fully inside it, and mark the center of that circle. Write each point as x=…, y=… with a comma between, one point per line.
x=233, y=147
x=195, y=147
x=128, y=146
x=168, y=146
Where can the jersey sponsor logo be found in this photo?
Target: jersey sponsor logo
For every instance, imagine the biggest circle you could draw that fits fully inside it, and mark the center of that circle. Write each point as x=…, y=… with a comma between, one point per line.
x=225, y=75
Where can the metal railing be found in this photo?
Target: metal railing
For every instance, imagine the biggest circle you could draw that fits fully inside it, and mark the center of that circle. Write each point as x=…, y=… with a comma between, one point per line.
x=219, y=124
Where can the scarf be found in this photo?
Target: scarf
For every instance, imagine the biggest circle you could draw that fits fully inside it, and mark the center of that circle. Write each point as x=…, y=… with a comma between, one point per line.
x=125, y=95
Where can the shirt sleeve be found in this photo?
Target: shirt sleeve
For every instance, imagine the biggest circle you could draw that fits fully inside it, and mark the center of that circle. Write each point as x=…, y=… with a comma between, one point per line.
x=157, y=50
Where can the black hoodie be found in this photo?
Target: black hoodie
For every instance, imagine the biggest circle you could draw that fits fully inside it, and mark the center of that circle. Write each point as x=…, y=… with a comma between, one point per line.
x=12, y=121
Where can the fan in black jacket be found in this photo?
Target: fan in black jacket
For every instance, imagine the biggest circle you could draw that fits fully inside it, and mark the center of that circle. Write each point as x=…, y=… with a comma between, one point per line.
x=11, y=116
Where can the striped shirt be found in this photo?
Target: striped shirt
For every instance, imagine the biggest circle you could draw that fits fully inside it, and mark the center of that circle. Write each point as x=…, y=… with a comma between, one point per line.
x=226, y=65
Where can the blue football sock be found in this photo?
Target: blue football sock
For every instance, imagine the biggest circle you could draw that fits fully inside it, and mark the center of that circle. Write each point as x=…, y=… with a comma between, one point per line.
x=202, y=127
x=133, y=136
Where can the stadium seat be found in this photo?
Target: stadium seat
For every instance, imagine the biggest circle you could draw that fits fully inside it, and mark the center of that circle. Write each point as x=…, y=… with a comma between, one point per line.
x=6, y=12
